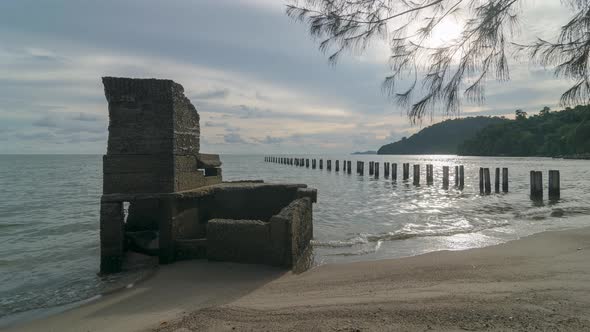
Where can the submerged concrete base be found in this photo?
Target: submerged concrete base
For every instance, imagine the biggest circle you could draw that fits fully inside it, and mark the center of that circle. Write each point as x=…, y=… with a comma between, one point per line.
x=247, y=222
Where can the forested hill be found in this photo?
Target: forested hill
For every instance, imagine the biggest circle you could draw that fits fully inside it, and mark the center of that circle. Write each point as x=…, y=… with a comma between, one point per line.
x=441, y=138
x=563, y=133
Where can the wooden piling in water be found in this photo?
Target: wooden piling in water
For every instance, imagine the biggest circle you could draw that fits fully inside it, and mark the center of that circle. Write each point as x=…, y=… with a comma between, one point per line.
x=321, y=164
x=487, y=181
x=313, y=164
x=376, y=169
x=554, y=185
x=481, y=181
x=461, y=177
x=406, y=171
x=445, y=177
x=457, y=176
x=497, y=180
x=536, y=185
x=505, y=179
x=337, y=165
x=416, y=175
x=386, y=170
x=344, y=166
x=307, y=162
x=360, y=168
x=429, y=174
x=394, y=171
x=329, y=165
x=348, y=166
x=371, y=167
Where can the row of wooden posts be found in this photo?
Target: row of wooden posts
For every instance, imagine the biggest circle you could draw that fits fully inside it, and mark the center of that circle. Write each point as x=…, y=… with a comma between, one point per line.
x=485, y=186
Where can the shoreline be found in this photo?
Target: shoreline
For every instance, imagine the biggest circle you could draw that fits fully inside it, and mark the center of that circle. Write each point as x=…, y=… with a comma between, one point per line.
x=538, y=281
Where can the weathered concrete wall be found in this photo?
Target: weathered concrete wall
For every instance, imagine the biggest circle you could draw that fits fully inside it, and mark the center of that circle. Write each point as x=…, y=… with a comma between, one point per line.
x=281, y=242
x=153, y=143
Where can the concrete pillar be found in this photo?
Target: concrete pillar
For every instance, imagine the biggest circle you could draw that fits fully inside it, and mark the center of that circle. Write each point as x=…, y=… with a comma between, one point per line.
x=112, y=219
x=554, y=185
x=445, y=177
x=416, y=175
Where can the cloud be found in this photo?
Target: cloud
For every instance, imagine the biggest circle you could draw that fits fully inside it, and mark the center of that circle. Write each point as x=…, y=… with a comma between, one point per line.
x=267, y=87
x=233, y=138
x=213, y=94
x=46, y=121
x=272, y=140
x=87, y=117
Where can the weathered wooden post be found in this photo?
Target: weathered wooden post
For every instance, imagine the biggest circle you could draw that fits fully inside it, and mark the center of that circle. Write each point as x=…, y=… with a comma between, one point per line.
x=406, y=171
x=376, y=169
x=416, y=175
x=536, y=185
x=307, y=162
x=505, y=179
x=394, y=171
x=554, y=185
x=329, y=165
x=343, y=165
x=361, y=168
x=348, y=166
x=445, y=177
x=313, y=164
x=386, y=170
x=321, y=164
x=457, y=176
x=481, y=181
x=429, y=174
x=487, y=181
x=371, y=167
x=337, y=165
x=461, y=177
x=497, y=181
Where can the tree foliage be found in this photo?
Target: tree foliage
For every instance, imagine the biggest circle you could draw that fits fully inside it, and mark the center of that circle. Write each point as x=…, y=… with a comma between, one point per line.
x=440, y=77
x=563, y=133
x=441, y=138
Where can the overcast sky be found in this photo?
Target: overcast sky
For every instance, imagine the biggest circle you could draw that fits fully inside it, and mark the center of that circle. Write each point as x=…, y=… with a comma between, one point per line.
x=256, y=78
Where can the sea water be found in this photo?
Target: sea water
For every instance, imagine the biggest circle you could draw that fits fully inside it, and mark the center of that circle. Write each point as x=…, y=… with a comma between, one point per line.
x=49, y=216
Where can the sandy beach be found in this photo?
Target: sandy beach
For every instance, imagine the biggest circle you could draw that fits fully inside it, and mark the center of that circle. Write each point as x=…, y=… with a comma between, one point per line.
x=541, y=282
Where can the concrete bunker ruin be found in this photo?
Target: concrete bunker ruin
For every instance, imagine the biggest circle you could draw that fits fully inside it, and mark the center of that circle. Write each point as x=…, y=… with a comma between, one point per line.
x=162, y=197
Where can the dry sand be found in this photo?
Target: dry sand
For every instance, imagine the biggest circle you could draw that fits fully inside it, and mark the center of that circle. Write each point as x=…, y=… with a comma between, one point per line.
x=541, y=282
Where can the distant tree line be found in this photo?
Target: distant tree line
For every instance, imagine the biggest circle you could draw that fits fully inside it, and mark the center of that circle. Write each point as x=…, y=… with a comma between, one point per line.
x=441, y=138
x=552, y=134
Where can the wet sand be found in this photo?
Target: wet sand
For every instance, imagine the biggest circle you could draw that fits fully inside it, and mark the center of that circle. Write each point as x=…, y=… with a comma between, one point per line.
x=541, y=282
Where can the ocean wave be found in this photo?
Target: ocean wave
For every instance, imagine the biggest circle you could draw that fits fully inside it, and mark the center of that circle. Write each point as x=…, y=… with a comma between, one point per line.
x=397, y=235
